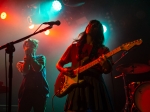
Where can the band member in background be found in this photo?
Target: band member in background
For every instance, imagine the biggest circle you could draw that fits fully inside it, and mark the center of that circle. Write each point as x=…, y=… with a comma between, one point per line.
x=92, y=93
x=34, y=89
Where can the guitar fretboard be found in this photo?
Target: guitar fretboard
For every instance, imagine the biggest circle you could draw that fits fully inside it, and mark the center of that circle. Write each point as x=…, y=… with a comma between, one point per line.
x=92, y=63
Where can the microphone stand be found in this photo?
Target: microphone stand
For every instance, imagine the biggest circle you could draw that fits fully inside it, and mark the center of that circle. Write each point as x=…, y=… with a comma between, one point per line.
x=123, y=75
x=126, y=52
x=9, y=50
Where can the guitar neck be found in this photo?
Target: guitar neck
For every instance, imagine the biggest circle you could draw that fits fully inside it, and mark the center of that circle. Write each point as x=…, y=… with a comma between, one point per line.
x=113, y=52
x=89, y=65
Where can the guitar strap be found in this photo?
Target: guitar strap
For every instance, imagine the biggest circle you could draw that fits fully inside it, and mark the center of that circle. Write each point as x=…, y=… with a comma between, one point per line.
x=93, y=53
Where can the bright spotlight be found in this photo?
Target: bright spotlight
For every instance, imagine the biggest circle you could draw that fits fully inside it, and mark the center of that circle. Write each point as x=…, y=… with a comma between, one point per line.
x=57, y=5
x=3, y=15
x=31, y=26
x=105, y=28
x=47, y=32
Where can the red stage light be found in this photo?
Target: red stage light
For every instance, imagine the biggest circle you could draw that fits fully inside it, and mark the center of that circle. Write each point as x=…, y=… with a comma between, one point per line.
x=3, y=15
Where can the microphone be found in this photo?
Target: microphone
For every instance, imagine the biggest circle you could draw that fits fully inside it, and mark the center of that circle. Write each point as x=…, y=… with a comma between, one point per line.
x=53, y=23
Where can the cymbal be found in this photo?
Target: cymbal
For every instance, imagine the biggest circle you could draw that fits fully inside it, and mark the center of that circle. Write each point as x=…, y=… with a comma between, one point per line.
x=134, y=68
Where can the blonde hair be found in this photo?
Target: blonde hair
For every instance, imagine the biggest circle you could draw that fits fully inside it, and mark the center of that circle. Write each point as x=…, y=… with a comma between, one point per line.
x=34, y=42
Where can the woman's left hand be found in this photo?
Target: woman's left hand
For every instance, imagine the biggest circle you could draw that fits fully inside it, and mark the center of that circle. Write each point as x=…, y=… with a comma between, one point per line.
x=102, y=59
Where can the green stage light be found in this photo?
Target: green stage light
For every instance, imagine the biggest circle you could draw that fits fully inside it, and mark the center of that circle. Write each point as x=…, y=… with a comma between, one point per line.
x=105, y=28
x=56, y=5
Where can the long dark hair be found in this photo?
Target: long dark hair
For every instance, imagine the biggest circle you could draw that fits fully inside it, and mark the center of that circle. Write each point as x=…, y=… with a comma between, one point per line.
x=97, y=37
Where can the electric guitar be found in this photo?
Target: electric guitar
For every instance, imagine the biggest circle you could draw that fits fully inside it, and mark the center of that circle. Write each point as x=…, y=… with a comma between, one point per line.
x=65, y=83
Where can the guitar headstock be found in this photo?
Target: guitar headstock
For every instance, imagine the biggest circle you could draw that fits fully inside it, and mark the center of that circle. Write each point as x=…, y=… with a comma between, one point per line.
x=129, y=45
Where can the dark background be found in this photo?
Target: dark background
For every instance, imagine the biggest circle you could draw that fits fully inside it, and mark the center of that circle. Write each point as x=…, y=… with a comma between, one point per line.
x=126, y=21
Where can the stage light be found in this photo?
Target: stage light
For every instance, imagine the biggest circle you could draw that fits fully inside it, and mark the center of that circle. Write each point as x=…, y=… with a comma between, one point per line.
x=3, y=15
x=47, y=32
x=45, y=11
x=56, y=5
x=105, y=28
x=31, y=26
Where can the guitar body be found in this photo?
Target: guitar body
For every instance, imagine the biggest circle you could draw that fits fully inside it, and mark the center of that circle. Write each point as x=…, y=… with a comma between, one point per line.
x=64, y=84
